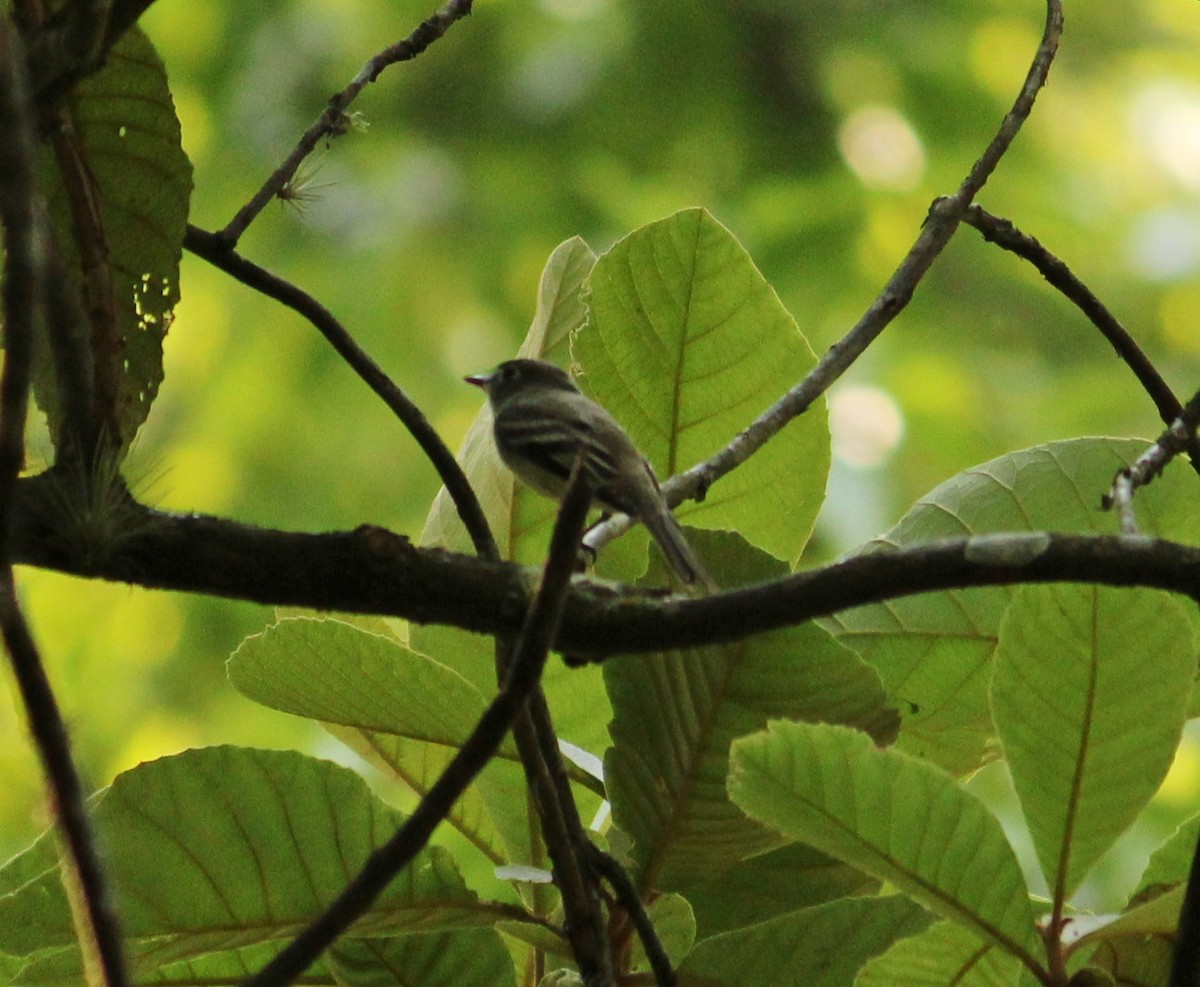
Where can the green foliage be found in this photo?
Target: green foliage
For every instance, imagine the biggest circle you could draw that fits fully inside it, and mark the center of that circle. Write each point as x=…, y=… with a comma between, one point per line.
x=1089, y=725
x=787, y=862
x=943, y=954
x=897, y=818
x=219, y=849
x=688, y=344
x=781, y=818
x=935, y=651
x=128, y=136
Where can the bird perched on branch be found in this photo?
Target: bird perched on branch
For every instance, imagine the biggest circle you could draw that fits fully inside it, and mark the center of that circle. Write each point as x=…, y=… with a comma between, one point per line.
x=540, y=422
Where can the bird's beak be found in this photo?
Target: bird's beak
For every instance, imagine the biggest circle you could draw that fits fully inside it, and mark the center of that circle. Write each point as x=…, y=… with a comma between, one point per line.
x=479, y=380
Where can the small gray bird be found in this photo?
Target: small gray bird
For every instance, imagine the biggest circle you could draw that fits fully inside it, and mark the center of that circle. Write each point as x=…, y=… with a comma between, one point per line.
x=541, y=420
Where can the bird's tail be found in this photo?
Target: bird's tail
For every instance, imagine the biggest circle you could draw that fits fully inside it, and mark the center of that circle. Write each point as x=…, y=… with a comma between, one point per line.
x=679, y=555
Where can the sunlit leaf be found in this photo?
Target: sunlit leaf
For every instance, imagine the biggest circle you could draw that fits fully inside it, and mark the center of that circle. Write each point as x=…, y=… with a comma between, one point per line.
x=898, y=818
x=771, y=884
x=816, y=947
x=944, y=955
x=675, y=715
x=222, y=848
x=1088, y=719
x=934, y=651
x=686, y=344
x=464, y=958
x=521, y=519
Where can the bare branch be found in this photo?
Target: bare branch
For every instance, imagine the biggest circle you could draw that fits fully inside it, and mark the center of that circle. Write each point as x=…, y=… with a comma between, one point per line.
x=1002, y=233
x=1179, y=436
x=940, y=225
x=627, y=895
x=374, y=571
x=333, y=121
x=538, y=630
x=211, y=248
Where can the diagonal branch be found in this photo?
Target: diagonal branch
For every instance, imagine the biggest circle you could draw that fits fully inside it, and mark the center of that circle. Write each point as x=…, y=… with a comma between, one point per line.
x=1002, y=233
x=333, y=121
x=211, y=248
x=940, y=225
x=627, y=894
x=1179, y=436
x=538, y=630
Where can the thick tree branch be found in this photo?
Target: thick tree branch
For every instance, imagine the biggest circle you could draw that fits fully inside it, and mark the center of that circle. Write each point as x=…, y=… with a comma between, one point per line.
x=333, y=121
x=25, y=247
x=210, y=247
x=1002, y=233
x=940, y=225
x=371, y=570
x=538, y=629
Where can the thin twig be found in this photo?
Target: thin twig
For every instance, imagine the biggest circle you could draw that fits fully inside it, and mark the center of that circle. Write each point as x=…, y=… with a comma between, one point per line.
x=1180, y=435
x=1004, y=234
x=211, y=248
x=334, y=121
x=25, y=239
x=627, y=894
x=940, y=225
x=538, y=630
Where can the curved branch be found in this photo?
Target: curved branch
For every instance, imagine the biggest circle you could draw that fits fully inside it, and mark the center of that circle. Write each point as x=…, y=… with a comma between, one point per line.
x=371, y=570
x=940, y=225
x=1004, y=234
x=212, y=249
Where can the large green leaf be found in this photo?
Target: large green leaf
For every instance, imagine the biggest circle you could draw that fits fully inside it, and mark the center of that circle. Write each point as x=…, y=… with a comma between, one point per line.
x=934, y=651
x=521, y=519
x=772, y=884
x=129, y=138
x=221, y=848
x=1090, y=691
x=1135, y=961
x=822, y=946
x=330, y=670
x=231, y=966
x=675, y=715
x=1170, y=864
x=893, y=816
x=464, y=958
x=944, y=955
x=402, y=711
x=686, y=344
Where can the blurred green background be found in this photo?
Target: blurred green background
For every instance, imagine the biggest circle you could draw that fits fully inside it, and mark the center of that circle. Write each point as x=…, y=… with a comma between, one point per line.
x=819, y=133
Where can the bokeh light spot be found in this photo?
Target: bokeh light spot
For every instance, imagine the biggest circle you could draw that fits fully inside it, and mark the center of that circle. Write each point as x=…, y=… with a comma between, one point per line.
x=1164, y=244
x=1164, y=120
x=866, y=424
x=882, y=149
